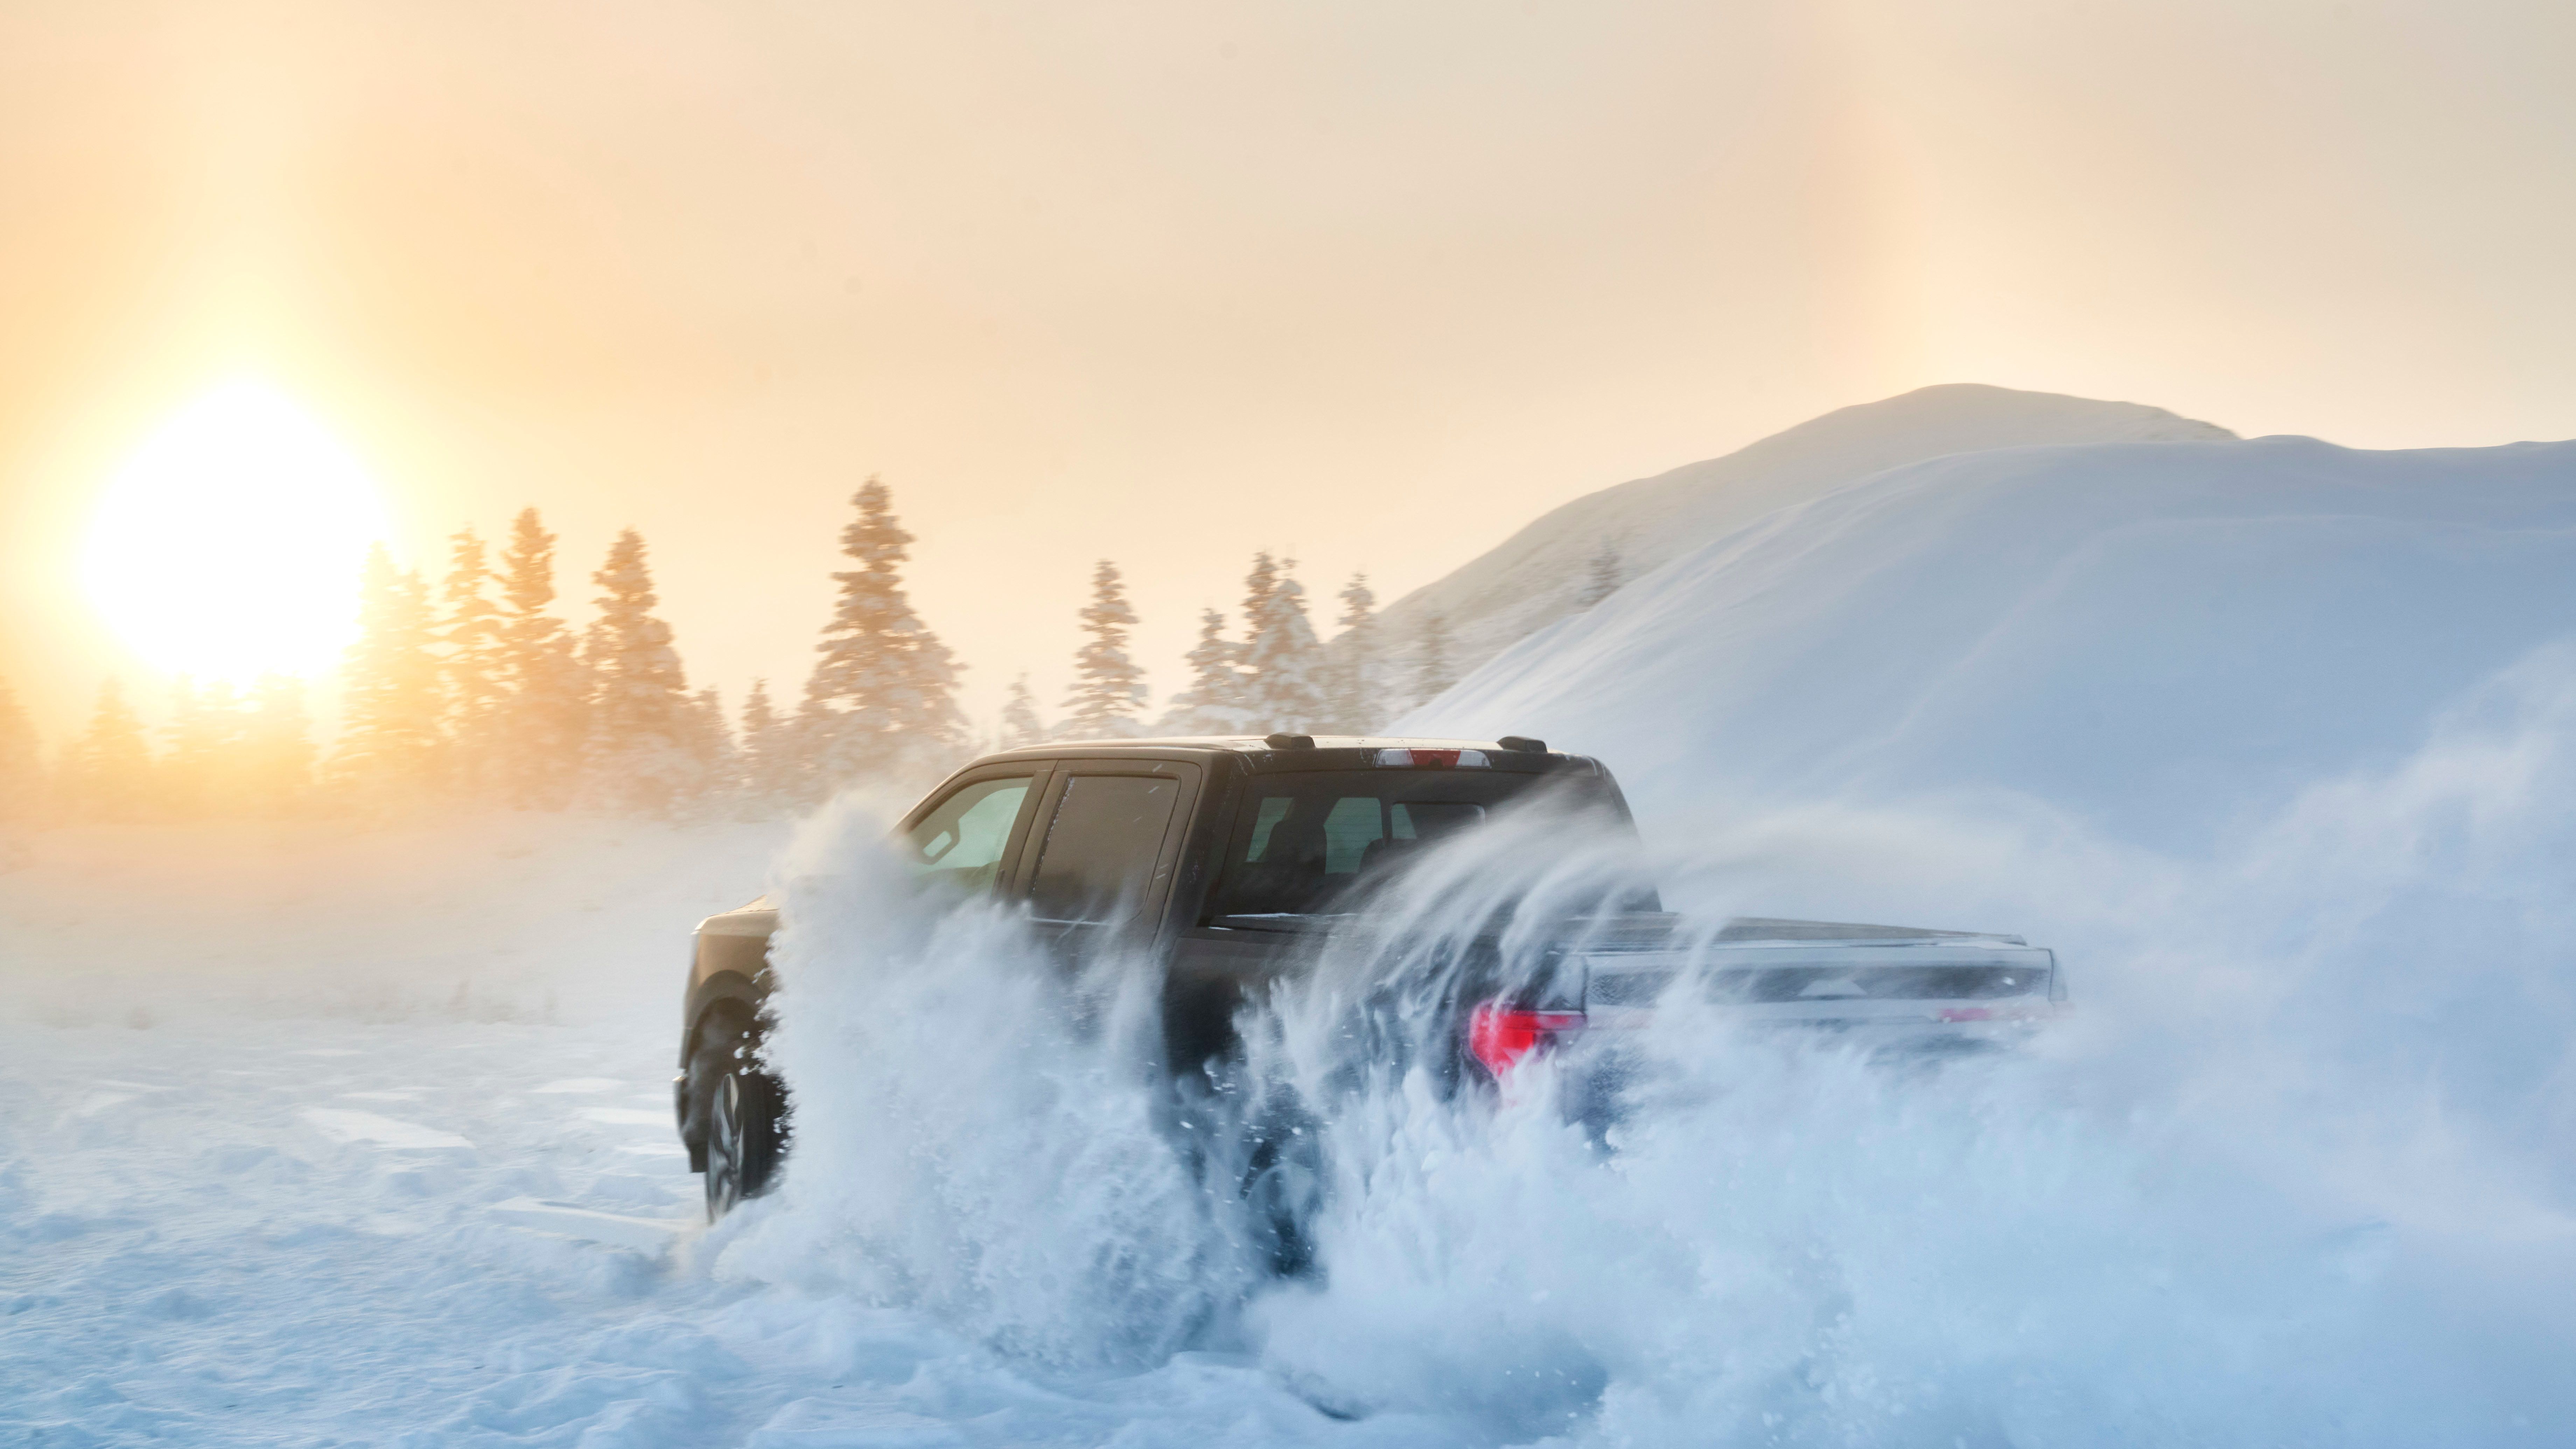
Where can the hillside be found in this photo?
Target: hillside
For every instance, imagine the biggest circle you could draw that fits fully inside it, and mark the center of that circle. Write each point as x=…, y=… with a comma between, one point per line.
x=2161, y=641
x=1536, y=576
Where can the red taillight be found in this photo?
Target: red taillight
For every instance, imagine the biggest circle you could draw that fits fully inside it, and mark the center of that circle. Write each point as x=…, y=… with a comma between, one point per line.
x=1500, y=1035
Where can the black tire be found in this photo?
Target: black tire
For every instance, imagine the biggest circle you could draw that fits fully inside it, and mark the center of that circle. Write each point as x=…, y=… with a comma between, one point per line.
x=1283, y=1188
x=740, y=1111
x=1260, y=1168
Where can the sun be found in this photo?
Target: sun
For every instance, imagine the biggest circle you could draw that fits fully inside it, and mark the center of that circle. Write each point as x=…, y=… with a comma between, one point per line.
x=229, y=543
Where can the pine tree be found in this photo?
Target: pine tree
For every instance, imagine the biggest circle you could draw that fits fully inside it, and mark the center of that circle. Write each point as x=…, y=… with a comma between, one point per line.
x=1109, y=689
x=883, y=698
x=719, y=758
x=769, y=757
x=275, y=770
x=22, y=766
x=1257, y=586
x=390, y=744
x=1351, y=685
x=200, y=774
x=644, y=754
x=475, y=669
x=179, y=777
x=542, y=714
x=1283, y=688
x=1213, y=704
x=107, y=771
x=1601, y=576
x=1020, y=723
x=1432, y=672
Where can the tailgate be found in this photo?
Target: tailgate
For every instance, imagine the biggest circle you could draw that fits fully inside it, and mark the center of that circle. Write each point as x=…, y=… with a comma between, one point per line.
x=1932, y=981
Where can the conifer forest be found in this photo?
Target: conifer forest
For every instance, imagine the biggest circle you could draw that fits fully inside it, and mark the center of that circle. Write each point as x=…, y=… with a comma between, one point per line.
x=502, y=682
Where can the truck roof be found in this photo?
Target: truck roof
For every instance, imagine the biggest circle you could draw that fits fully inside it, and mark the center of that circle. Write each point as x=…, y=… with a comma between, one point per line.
x=1315, y=752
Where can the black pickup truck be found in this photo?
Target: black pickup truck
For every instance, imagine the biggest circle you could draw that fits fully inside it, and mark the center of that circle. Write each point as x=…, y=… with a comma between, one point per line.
x=1221, y=862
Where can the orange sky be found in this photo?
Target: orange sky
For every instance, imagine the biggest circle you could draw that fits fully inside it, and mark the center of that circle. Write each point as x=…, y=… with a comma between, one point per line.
x=1169, y=281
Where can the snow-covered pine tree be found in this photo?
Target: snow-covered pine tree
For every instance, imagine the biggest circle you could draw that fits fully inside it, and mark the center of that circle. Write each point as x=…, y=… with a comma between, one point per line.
x=772, y=764
x=1284, y=687
x=882, y=701
x=643, y=755
x=1432, y=671
x=1213, y=704
x=390, y=744
x=719, y=759
x=1020, y=722
x=107, y=771
x=22, y=765
x=1351, y=680
x=757, y=744
x=179, y=777
x=542, y=712
x=275, y=771
x=1109, y=688
x=200, y=773
x=1602, y=574
x=475, y=669
x=1256, y=592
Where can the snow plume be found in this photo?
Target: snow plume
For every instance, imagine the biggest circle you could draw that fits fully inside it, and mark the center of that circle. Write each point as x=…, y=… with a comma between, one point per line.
x=974, y=1126
x=2296, y=1172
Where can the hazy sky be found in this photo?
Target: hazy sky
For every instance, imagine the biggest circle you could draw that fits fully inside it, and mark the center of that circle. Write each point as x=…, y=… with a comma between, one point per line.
x=1368, y=283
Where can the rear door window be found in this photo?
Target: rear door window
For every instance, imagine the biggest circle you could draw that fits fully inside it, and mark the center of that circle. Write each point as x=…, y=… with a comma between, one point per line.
x=1306, y=839
x=1103, y=848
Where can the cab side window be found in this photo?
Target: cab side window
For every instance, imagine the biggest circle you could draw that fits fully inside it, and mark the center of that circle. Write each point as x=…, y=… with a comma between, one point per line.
x=960, y=842
x=1101, y=848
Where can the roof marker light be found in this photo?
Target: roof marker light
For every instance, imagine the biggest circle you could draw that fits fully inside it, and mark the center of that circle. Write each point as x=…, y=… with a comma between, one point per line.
x=1406, y=759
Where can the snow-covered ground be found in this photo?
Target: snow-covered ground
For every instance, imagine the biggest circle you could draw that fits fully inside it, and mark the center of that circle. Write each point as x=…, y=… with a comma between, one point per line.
x=319, y=1135
x=313, y=1135
x=253, y=1200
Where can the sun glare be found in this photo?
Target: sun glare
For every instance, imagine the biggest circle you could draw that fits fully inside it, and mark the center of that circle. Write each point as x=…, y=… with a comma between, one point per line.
x=229, y=544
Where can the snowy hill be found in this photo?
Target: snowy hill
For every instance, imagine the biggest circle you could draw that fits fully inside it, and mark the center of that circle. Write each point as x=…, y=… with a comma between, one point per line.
x=2159, y=641
x=1536, y=576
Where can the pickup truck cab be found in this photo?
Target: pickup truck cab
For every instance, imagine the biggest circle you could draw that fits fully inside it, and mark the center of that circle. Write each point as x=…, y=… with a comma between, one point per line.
x=1219, y=862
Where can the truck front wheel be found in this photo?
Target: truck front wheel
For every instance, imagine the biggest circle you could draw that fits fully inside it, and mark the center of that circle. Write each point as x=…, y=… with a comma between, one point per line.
x=741, y=1109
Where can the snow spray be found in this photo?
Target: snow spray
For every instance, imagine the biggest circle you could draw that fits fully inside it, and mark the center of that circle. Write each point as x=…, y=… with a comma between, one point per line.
x=2297, y=1171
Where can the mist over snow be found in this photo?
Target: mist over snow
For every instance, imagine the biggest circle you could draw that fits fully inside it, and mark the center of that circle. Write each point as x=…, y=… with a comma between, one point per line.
x=366, y=1136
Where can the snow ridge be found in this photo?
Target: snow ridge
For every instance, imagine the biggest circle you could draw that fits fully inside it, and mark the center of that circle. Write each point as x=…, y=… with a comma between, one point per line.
x=1541, y=573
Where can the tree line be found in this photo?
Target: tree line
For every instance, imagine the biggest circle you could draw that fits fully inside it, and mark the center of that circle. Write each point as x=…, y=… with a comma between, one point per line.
x=478, y=692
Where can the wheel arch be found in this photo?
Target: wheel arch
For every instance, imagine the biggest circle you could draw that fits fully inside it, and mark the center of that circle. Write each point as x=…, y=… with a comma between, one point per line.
x=727, y=991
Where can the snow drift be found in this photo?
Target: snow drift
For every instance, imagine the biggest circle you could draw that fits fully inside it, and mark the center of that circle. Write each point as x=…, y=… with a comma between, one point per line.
x=1537, y=575
x=2164, y=642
